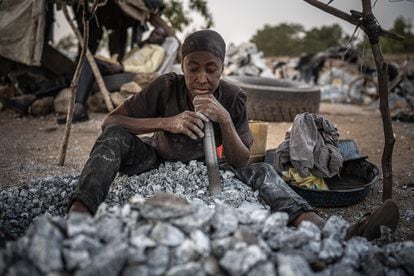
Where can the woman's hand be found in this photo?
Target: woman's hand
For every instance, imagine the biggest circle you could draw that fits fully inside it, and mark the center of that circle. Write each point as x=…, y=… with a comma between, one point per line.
x=189, y=123
x=208, y=105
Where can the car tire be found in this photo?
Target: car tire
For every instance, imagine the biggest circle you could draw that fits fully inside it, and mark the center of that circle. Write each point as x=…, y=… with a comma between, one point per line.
x=274, y=100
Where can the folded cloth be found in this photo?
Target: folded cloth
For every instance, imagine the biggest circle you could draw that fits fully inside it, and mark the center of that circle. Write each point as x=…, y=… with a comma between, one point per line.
x=311, y=182
x=311, y=147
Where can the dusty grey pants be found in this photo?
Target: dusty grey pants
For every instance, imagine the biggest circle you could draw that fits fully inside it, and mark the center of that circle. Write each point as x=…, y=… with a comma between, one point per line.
x=118, y=150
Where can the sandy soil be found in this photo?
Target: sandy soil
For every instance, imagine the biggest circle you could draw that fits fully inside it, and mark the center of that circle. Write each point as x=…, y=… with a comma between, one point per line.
x=29, y=147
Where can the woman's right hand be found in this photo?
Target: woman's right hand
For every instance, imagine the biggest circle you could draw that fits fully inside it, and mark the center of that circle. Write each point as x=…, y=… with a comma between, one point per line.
x=189, y=123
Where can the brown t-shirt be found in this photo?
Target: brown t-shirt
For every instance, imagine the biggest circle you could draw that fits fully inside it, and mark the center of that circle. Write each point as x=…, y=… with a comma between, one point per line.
x=168, y=96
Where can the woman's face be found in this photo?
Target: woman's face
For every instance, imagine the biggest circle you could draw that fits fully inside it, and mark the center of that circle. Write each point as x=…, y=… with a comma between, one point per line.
x=202, y=72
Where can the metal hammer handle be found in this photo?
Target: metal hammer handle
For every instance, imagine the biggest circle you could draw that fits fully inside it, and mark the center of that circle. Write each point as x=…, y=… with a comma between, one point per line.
x=211, y=159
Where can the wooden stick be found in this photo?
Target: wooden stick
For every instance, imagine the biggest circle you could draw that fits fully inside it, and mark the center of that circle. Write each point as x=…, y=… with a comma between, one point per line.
x=92, y=63
x=331, y=10
x=381, y=66
x=348, y=17
x=389, y=140
x=73, y=88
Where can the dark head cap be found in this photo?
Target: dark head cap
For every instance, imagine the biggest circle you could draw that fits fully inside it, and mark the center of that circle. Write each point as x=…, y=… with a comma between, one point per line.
x=204, y=40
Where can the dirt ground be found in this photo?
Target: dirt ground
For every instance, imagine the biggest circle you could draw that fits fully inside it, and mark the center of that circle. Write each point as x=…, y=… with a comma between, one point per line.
x=29, y=147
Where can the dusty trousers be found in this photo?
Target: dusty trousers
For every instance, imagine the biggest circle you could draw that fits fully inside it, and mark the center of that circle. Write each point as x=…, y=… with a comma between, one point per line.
x=272, y=189
x=116, y=149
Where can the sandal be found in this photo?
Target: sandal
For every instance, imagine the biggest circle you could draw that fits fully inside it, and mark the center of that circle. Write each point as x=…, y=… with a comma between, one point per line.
x=369, y=225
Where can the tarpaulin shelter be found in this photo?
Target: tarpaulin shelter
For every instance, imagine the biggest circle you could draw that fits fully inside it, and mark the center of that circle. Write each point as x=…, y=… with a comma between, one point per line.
x=22, y=25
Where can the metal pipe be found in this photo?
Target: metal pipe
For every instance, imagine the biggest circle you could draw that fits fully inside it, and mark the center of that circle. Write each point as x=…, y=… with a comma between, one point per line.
x=210, y=152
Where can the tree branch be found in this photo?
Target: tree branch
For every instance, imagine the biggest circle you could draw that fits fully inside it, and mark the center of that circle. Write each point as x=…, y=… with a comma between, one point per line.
x=73, y=88
x=369, y=25
x=334, y=11
x=350, y=18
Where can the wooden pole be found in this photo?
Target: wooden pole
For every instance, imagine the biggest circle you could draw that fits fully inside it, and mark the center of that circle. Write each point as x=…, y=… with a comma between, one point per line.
x=389, y=140
x=368, y=25
x=73, y=88
x=92, y=63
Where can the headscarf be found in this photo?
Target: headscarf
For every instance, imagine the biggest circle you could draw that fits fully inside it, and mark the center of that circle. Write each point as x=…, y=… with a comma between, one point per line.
x=204, y=40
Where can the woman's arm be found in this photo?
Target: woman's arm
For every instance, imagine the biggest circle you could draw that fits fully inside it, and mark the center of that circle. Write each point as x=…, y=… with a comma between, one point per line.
x=237, y=153
x=188, y=122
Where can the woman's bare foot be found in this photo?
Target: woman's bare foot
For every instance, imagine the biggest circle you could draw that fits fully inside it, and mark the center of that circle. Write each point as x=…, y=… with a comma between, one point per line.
x=309, y=216
x=79, y=207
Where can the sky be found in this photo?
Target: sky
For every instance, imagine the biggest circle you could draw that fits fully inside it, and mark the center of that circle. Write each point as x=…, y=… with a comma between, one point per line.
x=238, y=20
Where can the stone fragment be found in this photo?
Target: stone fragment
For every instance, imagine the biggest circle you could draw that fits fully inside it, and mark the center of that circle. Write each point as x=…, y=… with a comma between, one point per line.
x=344, y=269
x=400, y=254
x=61, y=101
x=212, y=267
x=109, y=227
x=224, y=221
x=164, y=206
x=220, y=246
x=96, y=103
x=22, y=267
x=186, y=252
x=260, y=269
x=136, y=255
x=289, y=265
x=158, y=260
x=239, y=262
x=356, y=248
x=45, y=246
x=109, y=261
x=198, y=219
x=42, y=106
x=188, y=269
x=75, y=258
x=331, y=250
x=141, y=229
x=371, y=264
x=252, y=213
x=274, y=223
x=201, y=243
x=246, y=235
x=142, y=241
x=135, y=270
x=166, y=234
x=80, y=223
x=336, y=228
x=83, y=242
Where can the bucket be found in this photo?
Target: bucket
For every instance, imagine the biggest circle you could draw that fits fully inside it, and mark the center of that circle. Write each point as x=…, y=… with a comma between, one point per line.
x=258, y=149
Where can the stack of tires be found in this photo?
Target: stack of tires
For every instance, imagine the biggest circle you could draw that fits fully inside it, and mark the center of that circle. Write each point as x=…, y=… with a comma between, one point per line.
x=274, y=100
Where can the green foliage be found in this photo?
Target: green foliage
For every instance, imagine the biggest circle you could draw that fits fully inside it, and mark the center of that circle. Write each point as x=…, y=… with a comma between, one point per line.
x=320, y=39
x=402, y=27
x=292, y=39
x=177, y=13
x=281, y=39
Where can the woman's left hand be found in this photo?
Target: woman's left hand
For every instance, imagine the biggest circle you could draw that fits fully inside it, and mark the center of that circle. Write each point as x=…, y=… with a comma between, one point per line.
x=208, y=105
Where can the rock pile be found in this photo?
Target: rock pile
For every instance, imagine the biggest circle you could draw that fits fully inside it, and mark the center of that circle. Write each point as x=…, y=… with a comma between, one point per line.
x=20, y=205
x=246, y=60
x=190, y=233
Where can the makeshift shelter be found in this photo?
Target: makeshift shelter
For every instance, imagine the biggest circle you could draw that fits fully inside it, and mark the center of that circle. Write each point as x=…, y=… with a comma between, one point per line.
x=22, y=26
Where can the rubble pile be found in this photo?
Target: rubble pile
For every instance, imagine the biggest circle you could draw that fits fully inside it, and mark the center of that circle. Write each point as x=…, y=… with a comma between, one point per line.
x=20, y=205
x=191, y=233
x=245, y=60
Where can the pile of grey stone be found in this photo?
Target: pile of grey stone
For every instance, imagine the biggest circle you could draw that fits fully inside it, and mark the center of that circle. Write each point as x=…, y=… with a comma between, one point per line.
x=20, y=205
x=159, y=223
